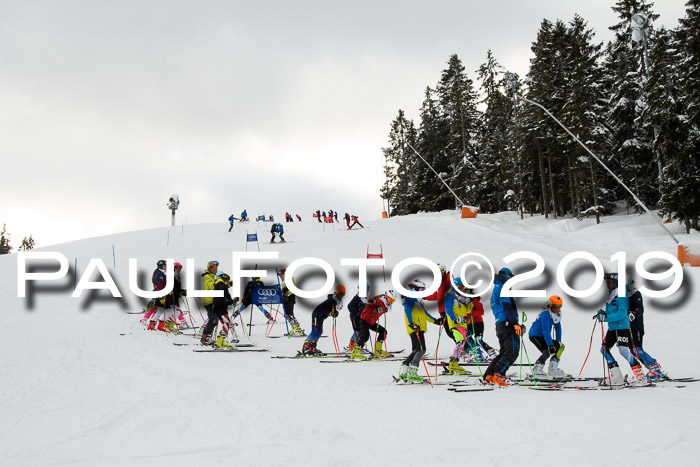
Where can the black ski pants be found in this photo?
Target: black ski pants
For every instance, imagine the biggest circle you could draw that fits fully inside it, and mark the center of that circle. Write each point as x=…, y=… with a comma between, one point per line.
x=508, y=352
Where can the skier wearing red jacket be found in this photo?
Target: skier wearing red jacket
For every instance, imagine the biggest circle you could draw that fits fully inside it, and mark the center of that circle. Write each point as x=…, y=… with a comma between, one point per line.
x=439, y=297
x=375, y=308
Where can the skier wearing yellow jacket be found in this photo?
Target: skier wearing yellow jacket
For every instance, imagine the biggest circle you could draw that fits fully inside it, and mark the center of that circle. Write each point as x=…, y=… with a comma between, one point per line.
x=416, y=318
x=208, y=278
x=457, y=309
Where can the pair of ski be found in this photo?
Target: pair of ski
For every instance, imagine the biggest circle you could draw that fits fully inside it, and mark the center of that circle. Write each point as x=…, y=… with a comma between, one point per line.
x=246, y=347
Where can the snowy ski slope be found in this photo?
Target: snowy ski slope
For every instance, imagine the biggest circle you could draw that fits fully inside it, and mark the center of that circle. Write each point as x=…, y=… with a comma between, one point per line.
x=83, y=384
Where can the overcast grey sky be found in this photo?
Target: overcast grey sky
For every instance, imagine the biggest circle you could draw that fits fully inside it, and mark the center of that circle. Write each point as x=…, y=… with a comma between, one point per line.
x=106, y=108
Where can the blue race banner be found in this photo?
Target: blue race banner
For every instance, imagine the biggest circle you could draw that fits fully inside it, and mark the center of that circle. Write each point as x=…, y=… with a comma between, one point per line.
x=261, y=218
x=267, y=295
x=252, y=237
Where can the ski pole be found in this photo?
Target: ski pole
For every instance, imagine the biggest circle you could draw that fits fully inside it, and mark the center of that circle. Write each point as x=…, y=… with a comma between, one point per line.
x=436, y=354
x=335, y=339
x=590, y=345
x=528, y=362
x=605, y=359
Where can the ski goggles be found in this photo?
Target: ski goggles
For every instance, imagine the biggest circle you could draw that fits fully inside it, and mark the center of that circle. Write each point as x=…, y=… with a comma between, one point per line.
x=212, y=263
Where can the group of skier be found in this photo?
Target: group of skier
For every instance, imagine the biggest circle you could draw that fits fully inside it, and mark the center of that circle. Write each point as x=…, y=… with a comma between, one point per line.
x=460, y=315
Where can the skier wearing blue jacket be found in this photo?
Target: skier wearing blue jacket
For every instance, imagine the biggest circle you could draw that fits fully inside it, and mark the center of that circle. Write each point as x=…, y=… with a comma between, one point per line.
x=508, y=331
x=541, y=335
x=615, y=314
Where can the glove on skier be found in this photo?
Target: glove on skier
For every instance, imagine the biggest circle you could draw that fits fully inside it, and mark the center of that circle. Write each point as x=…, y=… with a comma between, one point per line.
x=268, y=315
x=600, y=316
x=552, y=350
x=183, y=293
x=631, y=316
x=440, y=320
x=416, y=327
x=519, y=329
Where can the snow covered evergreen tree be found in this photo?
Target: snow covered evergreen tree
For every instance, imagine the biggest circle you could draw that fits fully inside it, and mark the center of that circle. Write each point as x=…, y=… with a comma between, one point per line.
x=433, y=138
x=400, y=188
x=631, y=155
x=676, y=113
x=5, y=247
x=458, y=104
x=495, y=159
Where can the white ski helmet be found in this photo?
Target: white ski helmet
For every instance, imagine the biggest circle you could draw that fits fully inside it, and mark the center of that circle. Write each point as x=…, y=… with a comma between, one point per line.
x=391, y=296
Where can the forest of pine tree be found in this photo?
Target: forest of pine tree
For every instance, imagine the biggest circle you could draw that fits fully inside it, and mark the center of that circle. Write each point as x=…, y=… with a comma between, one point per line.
x=639, y=113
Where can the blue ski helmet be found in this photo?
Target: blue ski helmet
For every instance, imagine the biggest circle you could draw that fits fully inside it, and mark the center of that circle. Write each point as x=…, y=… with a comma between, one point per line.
x=505, y=272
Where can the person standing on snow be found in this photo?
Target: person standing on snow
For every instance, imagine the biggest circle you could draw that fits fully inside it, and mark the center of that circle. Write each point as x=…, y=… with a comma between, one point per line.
x=480, y=351
x=219, y=314
x=158, y=279
x=280, y=232
x=457, y=311
x=374, y=309
x=541, y=335
x=355, y=222
x=273, y=231
x=636, y=319
x=288, y=302
x=508, y=331
x=329, y=307
x=355, y=307
x=439, y=296
x=208, y=279
x=416, y=318
x=231, y=219
x=347, y=220
x=175, y=320
x=244, y=216
x=247, y=299
x=616, y=315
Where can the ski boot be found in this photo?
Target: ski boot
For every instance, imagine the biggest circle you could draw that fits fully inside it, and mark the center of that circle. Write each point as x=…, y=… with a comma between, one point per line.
x=492, y=354
x=296, y=330
x=615, y=379
x=172, y=327
x=403, y=372
x=356, y=353
x=222, y=343
x=413, y=376
x=207, y=340
x=554, y=370
x=310, y=349
x=638, y=377
x=655, y=372
x=378, y=352
x=498, y=380
x=454, y=368
x=352, y=343
x=538, y=371
x=151, y=326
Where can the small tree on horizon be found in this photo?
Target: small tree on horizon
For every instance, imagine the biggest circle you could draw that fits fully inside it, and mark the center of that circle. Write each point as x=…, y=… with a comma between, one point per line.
x=5, y=247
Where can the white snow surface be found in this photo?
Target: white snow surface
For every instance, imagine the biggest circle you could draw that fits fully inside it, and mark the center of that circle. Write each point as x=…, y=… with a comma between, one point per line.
x=84, y=384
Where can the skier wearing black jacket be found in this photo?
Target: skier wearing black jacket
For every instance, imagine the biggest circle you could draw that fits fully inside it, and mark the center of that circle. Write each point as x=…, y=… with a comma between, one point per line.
x=329, y=307
x=219, y=314
x=248, y=298
x=355, y=307
x=636, y=317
